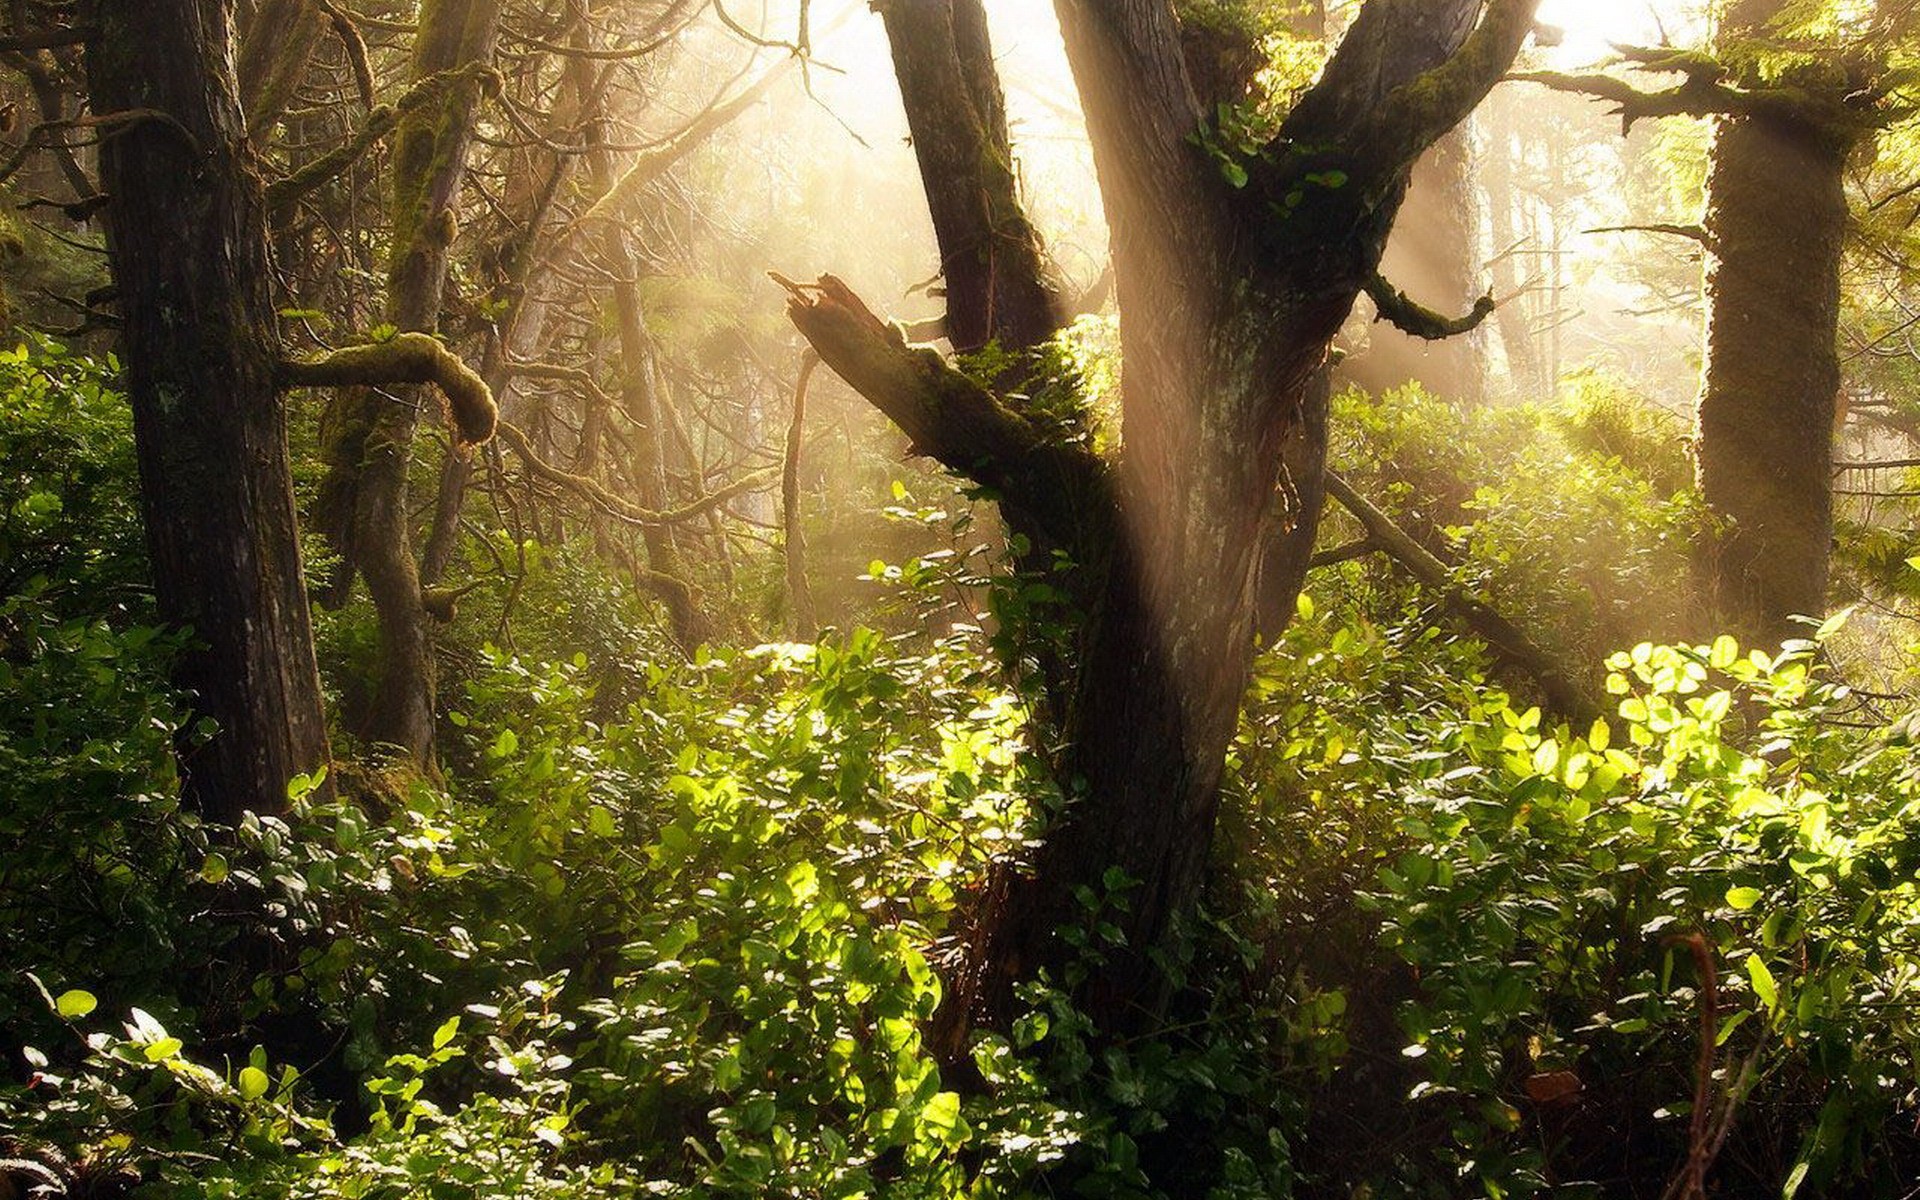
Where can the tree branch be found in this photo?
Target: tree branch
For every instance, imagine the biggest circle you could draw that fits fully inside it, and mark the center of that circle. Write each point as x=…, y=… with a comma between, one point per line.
x=408, y=358
x=1411, y=317
x=36, y=40
x=617, y=507
x=283, y=194
x=1563, y=692
x=1693, y=233
x=1702, y=94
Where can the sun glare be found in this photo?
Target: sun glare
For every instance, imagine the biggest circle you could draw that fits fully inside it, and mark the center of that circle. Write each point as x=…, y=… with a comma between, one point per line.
x=1590, y=28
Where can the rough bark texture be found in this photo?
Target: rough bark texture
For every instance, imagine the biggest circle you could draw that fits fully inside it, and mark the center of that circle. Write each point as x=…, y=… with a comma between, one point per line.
x=1776, y=220
x=369, y=437
x=1229, y=299
x=188, y=240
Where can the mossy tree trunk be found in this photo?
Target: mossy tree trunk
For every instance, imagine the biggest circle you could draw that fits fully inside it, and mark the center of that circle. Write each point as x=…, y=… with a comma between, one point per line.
x=1776, y=222
x=369, y=436
x=188, y=241
x=1229, y=298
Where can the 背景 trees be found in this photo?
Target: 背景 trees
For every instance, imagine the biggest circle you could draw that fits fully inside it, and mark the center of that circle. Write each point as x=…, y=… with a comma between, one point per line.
x=1795, y=95
x=1235, y=265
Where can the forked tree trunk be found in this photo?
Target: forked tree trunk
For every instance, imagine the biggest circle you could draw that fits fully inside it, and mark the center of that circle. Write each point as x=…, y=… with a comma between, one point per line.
x=1776, y=222
x=188, y=236
x=1227, y=311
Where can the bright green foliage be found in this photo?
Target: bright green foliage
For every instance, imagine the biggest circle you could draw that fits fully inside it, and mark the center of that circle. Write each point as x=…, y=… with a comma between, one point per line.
x=93, y=874
x=1577, y=518
x=1553, y=873
x=1525, y=889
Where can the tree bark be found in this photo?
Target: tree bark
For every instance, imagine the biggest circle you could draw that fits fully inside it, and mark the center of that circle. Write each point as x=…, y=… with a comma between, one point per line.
x=188, y=238
x=1776, y=222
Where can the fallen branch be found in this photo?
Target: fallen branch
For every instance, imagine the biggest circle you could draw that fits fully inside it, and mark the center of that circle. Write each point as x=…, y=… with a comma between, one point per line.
x=1564, y=694
x=408, y=358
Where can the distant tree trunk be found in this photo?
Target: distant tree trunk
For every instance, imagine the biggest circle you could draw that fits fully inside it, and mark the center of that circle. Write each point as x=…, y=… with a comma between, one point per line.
x=644, y=405
x=1525, y=371
x=1226, y=316
x=275, y=47
x=1776, y=221
x=188, y=236
x=369, y=437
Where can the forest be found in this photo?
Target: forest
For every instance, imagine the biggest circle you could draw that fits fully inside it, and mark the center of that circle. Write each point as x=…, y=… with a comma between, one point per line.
x=940, y=599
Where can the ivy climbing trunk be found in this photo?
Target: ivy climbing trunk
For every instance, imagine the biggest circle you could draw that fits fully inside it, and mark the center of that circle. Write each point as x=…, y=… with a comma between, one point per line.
x=1229, y=298
x=188, y=241
x=370, y=435
x=1776, y=222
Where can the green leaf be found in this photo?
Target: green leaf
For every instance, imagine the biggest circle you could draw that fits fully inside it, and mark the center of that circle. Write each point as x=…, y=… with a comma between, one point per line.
x=1795, y=1178
x=1763, y=983
x=1743, y=898
x=253, y=1083
x=600, y=822
x=215, y=868
x=165, y=1048
x=444, y=1034
x=73, y=1005
x=942, y=1117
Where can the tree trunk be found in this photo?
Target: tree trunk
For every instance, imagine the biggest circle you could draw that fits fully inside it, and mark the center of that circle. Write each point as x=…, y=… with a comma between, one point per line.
x=369, y=437
x=643, y=404
x=188, y=237
x=275, y=48
x=1227, y=312
x=1776, y=221
x=1525, y=372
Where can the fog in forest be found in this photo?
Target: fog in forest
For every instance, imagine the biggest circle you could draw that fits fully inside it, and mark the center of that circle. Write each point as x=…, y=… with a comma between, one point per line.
x=959, y=599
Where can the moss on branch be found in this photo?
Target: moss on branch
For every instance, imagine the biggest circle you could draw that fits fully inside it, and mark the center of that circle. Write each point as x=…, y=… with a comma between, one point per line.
x=408, y=358
x=1411, y=317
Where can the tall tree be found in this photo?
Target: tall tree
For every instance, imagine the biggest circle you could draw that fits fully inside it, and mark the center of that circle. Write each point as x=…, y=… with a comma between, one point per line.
x=188, y=238
x=1791, y=108
x=1233, y=275
x=1776, y=225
